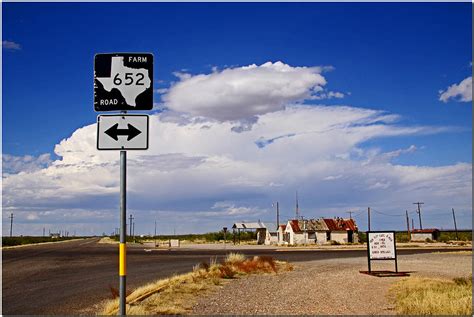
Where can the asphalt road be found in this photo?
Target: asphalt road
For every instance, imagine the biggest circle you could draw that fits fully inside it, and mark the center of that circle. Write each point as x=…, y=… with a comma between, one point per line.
x=70, y=278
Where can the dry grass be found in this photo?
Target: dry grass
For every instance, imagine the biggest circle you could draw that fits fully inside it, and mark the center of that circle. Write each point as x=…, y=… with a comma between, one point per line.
x=176, y=295
x=234, y=257
x=107, y=240
x=455, y=252
x=427, y=296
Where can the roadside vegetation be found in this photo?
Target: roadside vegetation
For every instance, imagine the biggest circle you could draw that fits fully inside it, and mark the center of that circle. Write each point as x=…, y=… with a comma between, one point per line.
x=428, y=296
x=176, y=295
x=444, y=236
x=210, y=237
x=12, y=241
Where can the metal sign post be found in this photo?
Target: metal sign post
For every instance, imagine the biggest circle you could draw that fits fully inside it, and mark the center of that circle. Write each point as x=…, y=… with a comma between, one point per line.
x=123, y=82
x=123, y=231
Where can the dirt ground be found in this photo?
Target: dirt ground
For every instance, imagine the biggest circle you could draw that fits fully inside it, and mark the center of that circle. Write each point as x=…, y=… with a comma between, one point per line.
x=328, y=287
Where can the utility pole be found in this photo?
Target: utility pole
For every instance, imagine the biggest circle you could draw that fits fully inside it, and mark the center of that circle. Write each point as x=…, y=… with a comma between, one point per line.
x=305, y=231
x=43, y=231
x=130, y=225
x=278, y=214
x=155, y=234
x=419, y=212
x=11, y=224
x=408, y=227
x=350, y=214
x=133, y=230
x=412, y=224
x=368, y=219
x=297, y=207
x=455, y=226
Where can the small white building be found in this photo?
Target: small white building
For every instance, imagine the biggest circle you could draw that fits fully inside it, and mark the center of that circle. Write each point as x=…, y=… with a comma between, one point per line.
x=305, y=231
x=318, y=231
x=424, y=234
x=342, y=230
x=259, y=227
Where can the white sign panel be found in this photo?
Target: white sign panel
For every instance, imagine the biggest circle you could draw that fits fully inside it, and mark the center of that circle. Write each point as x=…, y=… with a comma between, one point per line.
x=381, y=245
x=122, y=132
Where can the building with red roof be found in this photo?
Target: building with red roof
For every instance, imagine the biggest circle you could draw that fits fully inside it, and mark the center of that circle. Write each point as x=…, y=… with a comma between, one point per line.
x=318, y=231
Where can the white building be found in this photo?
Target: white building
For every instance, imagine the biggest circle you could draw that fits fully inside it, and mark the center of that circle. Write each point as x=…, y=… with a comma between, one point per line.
x=424, y=234
x=318, y=231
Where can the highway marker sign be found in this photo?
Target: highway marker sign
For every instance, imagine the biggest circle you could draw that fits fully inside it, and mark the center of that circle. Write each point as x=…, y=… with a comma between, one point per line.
x=123, y=81
x=122, y=132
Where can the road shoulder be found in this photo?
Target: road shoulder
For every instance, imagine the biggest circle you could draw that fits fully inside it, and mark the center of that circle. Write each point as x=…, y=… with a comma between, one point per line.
x=326, y=287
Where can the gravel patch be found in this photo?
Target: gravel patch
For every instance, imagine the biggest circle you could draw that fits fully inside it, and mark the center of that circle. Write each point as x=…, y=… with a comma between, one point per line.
x=327, y=287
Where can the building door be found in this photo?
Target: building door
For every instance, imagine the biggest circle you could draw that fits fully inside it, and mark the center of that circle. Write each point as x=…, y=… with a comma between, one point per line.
x=350, y=236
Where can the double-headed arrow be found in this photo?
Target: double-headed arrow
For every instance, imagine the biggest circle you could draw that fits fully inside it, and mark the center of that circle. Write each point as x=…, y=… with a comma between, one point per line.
x=114, y=132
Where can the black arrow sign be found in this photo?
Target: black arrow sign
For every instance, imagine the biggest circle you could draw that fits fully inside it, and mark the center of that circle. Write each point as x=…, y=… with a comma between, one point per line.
x=114, y=132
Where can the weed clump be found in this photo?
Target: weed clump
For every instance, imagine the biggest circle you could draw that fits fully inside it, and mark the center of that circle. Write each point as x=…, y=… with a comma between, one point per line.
x=175, y=295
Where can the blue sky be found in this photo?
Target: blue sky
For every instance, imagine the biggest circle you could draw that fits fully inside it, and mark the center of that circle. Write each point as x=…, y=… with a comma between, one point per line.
x=387, y=57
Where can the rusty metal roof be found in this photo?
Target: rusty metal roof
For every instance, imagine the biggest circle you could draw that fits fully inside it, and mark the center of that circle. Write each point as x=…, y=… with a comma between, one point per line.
x=424, y=230
x=294, y=225
x=248, y=225
x=312, y=225
x=340, y=224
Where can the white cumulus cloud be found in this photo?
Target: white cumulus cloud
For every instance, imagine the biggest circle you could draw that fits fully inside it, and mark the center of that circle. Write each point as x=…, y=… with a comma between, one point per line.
x=459, y=92
x=243, y=92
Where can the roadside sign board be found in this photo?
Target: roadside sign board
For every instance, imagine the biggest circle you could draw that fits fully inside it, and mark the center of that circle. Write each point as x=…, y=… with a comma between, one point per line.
x=122, y=132
x=123, y=81
x=381, y=245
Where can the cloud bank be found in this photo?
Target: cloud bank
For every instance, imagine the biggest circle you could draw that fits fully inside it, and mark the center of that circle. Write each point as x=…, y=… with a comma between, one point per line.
x=199, y=174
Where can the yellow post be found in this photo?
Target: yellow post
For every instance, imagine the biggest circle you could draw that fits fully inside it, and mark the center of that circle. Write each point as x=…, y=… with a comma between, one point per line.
x=122, y=259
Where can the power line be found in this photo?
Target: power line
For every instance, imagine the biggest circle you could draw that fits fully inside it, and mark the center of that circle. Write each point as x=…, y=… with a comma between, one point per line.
x=385, y=214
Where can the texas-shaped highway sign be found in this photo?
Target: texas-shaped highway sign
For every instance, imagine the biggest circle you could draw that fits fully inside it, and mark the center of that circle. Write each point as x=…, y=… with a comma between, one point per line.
x=123, y=81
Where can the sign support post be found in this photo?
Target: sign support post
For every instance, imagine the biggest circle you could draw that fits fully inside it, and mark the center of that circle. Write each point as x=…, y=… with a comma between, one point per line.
x=368, y=251
x=123, y=232
x=123, y=82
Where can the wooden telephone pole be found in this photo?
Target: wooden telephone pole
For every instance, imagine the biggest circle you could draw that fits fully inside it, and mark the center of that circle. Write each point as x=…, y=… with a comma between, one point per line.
x=455, y=226
x=419, y=212
x=408, y=226
x=368, y=215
